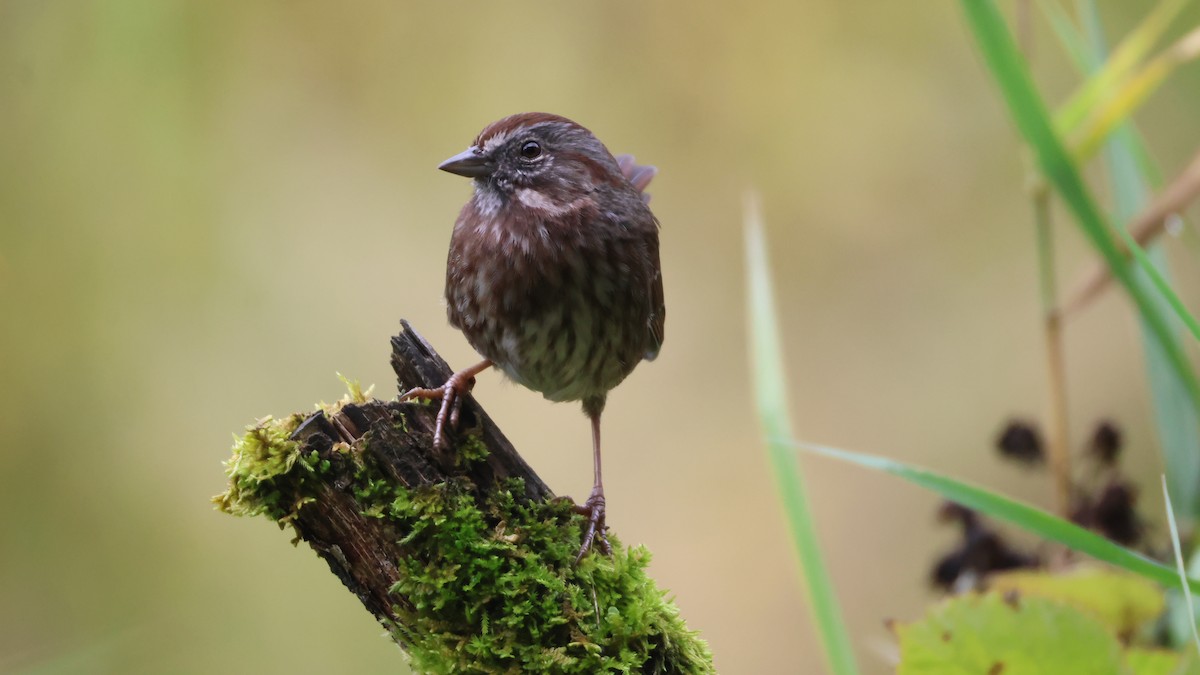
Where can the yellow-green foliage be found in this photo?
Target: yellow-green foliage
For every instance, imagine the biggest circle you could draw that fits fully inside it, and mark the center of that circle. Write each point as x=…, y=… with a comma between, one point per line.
x=1080, y=621
x=990, y=633
x=1124, y=602
x=260, y=458
x=486, y=584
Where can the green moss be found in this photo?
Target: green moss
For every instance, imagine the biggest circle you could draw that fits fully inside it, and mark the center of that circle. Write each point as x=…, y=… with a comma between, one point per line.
x=493, y=590
x=486, y=582
x=471, y=448
x=259, y=471
x=354, y=391
x=270, y=475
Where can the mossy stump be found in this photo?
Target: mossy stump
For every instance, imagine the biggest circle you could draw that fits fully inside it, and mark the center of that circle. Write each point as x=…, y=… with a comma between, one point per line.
x=464, y=556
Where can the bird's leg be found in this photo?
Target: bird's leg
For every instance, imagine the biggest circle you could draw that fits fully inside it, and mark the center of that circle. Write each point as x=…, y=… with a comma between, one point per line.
x=451, y=393
x=593, y=508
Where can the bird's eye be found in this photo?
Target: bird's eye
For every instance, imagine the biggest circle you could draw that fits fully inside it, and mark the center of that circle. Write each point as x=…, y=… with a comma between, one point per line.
x=531, y=150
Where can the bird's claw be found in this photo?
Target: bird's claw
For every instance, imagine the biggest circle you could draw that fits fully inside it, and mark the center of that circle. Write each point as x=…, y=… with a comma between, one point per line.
x=451, y=394
x=595, y=532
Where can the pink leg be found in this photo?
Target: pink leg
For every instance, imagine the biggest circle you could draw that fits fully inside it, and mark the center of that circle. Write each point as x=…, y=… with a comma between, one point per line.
x=451, y=394
x=593, y=508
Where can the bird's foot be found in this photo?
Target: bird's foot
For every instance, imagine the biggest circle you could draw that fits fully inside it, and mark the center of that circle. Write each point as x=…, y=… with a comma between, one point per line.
x=594, y=533
x=451, y=393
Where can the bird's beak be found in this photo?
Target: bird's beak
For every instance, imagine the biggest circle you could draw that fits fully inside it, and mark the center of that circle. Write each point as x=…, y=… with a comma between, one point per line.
x=467, y=163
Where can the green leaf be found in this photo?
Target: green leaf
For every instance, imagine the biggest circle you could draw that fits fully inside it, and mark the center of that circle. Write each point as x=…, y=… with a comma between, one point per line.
x=1016, y=636
x=771, y=397
x=1033, y=121
x=1024, y=516
x=1159, y=662
x=1123, y=602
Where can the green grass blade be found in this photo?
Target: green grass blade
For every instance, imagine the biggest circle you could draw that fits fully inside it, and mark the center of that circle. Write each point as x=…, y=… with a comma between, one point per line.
x=1159, y=281
x=1129, y=186
x=1178, y=432
x=1179, y=568
x=1130, y=94
x=1132, y=51
x=1066, y=31
x=1119, y=107
x=1177, y=423
x=1027, y=517
x=771, y=397
x=1033, y=121
x=1086, y=60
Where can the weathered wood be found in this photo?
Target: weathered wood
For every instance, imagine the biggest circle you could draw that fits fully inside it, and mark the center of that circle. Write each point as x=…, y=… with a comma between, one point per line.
x=463, y=554
x=416, y=364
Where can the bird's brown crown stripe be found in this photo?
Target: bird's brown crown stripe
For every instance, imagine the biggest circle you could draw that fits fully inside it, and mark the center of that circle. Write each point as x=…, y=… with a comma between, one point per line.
x=514, y=122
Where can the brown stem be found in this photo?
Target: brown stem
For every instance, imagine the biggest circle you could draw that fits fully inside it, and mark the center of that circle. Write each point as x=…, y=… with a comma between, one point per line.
x=1145, y=228
x=1060, y=449
x=1059, y=443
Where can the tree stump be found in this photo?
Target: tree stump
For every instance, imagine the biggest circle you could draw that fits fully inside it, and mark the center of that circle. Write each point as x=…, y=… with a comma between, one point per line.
x=464, y=555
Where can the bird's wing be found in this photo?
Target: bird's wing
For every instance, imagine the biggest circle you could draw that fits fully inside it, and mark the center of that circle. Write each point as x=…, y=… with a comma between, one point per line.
x=658, y=307
x=639, y=177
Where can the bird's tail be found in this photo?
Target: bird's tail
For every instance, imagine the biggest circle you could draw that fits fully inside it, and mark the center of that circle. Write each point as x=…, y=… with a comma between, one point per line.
x=638, y=176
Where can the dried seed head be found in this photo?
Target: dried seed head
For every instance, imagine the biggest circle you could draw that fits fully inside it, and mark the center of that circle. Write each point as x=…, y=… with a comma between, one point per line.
x=1021, y=442
x=1106, y=443
x=1115, y=514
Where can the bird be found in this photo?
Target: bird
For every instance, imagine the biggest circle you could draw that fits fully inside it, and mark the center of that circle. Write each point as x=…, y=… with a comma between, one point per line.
x=553, y=274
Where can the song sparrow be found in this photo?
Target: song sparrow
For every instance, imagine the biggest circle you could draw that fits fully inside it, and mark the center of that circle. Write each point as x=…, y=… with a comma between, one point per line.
x=553, y=273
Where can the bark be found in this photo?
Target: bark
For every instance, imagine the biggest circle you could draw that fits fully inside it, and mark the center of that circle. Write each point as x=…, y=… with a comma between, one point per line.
x=464, y=555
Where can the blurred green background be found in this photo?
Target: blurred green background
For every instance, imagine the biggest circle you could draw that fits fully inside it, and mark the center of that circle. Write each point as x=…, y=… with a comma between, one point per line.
x=209, y=208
